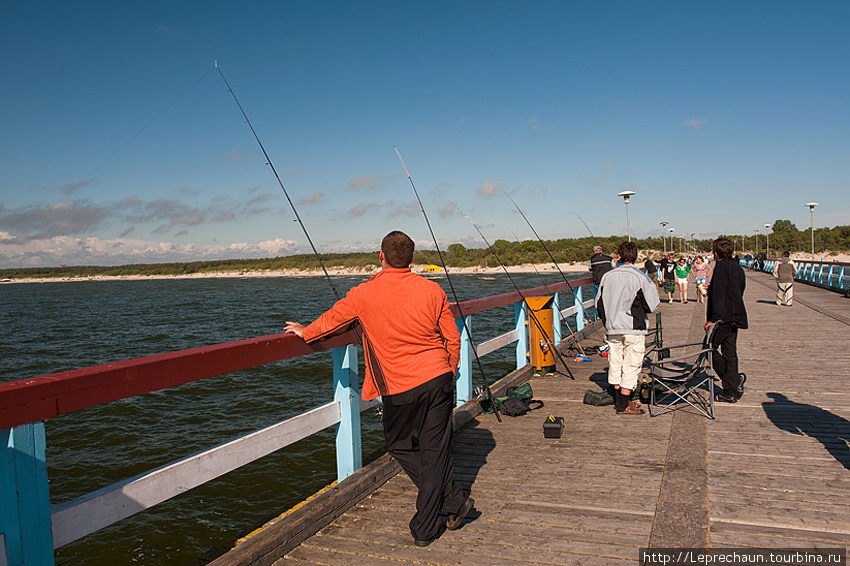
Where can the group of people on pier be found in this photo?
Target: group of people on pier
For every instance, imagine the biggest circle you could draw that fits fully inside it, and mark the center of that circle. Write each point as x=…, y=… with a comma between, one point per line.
x=411, y=347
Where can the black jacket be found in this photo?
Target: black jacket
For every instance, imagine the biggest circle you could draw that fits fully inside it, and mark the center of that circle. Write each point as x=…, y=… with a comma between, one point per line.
x=726, y=294
x=600, y=264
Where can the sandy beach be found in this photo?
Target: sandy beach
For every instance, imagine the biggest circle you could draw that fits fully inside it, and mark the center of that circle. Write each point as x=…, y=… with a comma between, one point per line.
x=342, y=271
x=423, y=269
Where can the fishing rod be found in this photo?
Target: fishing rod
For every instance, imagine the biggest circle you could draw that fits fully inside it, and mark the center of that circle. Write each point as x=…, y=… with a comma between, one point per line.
x=270, y=164
x=487, y=390
x=552, y=258
x=595, y=241
x=530, y=311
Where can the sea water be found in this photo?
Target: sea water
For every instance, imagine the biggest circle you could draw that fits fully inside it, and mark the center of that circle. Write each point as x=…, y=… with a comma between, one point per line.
x=54, y=327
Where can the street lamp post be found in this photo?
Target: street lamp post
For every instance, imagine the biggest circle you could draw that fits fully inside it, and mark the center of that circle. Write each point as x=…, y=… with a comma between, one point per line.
x=757, y=240
x=767, y=231
x=626, y=195
x=812, y=206
x=664, y=236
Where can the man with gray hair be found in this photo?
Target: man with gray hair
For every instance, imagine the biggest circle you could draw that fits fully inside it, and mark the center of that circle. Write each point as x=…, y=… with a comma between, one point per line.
x=599, y=265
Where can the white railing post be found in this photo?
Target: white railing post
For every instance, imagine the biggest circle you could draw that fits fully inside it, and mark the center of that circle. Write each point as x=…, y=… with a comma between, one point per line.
x=556, y=313
x=25, y=526
x=522, y=334
x=463, y=379
x=579, y=309
x=349, y=446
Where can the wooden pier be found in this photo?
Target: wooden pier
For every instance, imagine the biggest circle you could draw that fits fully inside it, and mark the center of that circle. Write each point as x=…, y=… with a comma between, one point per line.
x=772, y=471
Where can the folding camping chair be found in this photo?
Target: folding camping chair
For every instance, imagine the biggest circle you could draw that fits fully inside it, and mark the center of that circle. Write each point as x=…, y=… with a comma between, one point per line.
x=687, y=378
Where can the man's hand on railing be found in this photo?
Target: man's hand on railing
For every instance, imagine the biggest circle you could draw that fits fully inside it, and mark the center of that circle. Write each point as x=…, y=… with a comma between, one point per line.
x=293, y=328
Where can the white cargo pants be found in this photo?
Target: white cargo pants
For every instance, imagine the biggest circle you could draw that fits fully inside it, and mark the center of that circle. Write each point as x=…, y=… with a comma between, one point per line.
x=625, y=359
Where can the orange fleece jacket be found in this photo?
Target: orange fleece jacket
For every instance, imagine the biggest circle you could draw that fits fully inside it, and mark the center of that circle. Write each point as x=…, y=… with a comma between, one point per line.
x=409, y=334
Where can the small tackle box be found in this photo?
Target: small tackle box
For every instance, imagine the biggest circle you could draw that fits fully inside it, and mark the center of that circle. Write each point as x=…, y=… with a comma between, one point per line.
x=553, y=427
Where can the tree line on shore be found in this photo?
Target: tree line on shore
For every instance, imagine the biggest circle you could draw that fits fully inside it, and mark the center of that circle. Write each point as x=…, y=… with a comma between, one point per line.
x=784, y=236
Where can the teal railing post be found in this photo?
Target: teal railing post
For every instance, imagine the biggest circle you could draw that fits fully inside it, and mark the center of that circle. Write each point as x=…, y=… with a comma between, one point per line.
x=522, y=339
x=349, y=446
x=463, y=380
x=579, y=310
x=556, y=312
x=841, y=278
x=829, y=277
x=26, y=536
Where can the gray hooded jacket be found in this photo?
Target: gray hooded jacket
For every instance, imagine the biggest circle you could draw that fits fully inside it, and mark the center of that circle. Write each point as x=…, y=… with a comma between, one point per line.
x=625, y=299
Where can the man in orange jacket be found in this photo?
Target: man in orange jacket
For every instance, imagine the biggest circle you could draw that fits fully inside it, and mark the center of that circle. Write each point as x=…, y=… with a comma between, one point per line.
x=411, y=347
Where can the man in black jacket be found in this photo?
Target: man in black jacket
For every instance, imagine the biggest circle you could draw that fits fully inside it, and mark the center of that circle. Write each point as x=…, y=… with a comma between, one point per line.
x=599, y=265
x=725, y=306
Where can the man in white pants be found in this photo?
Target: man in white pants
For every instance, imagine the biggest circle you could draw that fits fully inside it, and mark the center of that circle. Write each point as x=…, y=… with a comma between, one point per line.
x=625, y=299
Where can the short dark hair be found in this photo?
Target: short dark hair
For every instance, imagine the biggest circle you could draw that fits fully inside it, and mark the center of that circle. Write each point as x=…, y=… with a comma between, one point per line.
x=722, y=248
x=398, y=249
x=628, y=252
x=786, y=253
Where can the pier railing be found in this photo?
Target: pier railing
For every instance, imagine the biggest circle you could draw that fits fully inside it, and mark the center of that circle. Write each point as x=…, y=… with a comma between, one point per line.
x=825, y=274
x=30, y=528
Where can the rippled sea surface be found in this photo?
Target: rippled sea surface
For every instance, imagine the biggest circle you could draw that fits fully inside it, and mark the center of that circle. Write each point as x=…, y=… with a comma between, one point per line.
x=54, y=327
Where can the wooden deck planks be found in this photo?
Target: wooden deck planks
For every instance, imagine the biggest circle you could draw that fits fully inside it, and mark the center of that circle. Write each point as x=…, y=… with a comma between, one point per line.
x=777, y=476
x=780, y=466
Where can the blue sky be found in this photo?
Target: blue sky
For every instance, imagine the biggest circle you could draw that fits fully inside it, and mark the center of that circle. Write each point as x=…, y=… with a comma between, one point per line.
x=121, y=144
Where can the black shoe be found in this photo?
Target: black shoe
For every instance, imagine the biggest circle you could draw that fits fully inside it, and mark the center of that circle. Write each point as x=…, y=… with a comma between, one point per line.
x=739, y=391
x=455, y=521
x=725, y=397
x=427, y=541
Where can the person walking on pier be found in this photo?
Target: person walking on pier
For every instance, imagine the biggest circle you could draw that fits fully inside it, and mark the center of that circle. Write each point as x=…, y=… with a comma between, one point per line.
x=668, y=276
x=784, y=273
x=725, y=306
x=411, y=347
x=626, y=297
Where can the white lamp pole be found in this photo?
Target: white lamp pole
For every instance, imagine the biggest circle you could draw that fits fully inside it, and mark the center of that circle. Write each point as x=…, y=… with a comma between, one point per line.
x=767, y=231
x=664, y=236
x=757, y=240
x=812, y=206
x=626, y=195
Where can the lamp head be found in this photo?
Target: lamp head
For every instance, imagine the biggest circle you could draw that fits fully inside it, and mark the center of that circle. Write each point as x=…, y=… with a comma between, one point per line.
x=626, y=195
x=811, y=206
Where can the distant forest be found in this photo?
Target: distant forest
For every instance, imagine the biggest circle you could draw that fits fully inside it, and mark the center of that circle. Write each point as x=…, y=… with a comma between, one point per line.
x=784, y=236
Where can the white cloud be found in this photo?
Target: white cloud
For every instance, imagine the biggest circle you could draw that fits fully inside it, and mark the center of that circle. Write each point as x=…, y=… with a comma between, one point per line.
x=694, y=123
x=488, y=188
x=69, y=250
x=368, y=183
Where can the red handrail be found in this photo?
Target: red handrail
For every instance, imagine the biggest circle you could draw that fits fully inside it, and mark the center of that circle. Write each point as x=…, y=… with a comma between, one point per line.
x=39, y=398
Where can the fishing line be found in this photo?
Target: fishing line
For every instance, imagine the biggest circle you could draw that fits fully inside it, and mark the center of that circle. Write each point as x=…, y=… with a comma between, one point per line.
x=134, y=136
x=270, y=164
x=487, y=390
x=586, y=226
x=552, y=258
x=530, y=311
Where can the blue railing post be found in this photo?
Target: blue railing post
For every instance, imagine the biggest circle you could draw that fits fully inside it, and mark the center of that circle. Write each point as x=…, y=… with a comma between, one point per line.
x=463, y=380
x=556, y=312
x=349, y=446
x=841, y=278
x=522, y=339
x=25, y=527
x=579, y=310
x=829, y=277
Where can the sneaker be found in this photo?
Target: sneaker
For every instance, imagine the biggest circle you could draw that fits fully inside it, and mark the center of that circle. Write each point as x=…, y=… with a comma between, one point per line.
x=427, y=541
x=724, y=397
x=739, y=391
x=631, y=409
x=455, y=521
